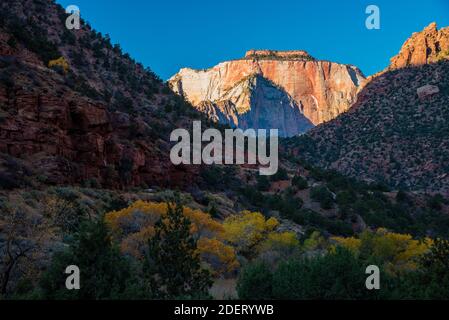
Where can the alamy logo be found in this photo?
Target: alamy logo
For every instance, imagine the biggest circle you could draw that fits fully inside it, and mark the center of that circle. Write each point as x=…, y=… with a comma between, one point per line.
x=73, y=20
x=373, y=280
x=372, y=22
x=188, y=151
x=73, y=280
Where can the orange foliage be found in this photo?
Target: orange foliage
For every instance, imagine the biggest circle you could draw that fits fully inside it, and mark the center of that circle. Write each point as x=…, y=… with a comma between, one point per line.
x=221, y=257
x=133, y=226
x=142, y=213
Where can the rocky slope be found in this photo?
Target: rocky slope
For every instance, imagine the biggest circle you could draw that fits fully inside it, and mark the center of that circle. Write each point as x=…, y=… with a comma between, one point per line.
x=100, y=119
x=315, y=90
x=397, y=132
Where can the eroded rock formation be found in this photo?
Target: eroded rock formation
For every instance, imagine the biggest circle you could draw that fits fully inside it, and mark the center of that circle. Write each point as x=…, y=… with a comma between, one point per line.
x=319, y=90
x=428, y=46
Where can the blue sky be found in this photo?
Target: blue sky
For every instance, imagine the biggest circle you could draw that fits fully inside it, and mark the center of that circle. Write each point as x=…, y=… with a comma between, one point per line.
x=169, y=35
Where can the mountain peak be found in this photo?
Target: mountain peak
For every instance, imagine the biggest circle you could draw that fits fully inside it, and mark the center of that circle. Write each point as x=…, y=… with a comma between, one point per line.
x=427, y=46
x=304, y=88
x=431, y=27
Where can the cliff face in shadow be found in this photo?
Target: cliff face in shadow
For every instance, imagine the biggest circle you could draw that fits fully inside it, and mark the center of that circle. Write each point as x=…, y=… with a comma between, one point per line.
x=268, y=106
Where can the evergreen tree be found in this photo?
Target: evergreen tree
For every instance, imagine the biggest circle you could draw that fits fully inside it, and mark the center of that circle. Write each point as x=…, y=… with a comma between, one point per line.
x=431, y=280
x=255, y=282
x=173, y=264
x=104, y=272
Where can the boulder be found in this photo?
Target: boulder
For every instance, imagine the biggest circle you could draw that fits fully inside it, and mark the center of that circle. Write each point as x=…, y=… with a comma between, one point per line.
x=427, y=91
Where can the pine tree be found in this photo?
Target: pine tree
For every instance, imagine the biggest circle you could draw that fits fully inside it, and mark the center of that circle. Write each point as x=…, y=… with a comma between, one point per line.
x=105, y=273
x=173, y=264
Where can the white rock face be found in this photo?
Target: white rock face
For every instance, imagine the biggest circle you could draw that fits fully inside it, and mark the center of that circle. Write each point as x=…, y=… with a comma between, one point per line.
x=304, y=91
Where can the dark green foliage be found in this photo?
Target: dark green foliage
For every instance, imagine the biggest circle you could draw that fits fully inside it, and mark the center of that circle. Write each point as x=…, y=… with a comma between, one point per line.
x=274, y=56
x=436, y=202
x=402, y=197
x=263, y=183
x=255, y=282
x=125, y=169
x=287, y=203
x=214, y=213
x=12, y=42
x=322, y=195
x=334, y=276
x=310, y=218
x=254, y=197
x=32, y=37
x=105, y=274
x=280, y=175
x=346, y=198
x=173, y=264
x=299, y=182
x=431, y=280
x=220, y=177
x=81, y=85
x=68, y=37
x=339, y=275
x=353, y=200
x=212, y=175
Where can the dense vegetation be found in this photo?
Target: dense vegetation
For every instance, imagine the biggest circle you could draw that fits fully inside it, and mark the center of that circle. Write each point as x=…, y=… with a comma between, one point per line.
x=129, y=252
x=345, y=201
x=409, y=270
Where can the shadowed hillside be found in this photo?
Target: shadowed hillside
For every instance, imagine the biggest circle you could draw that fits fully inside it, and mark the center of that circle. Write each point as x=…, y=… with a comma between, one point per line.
x=391, y=134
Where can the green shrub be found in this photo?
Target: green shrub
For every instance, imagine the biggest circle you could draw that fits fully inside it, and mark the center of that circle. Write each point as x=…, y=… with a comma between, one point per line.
x=263, y=183
x=105, y=274
x=335, y=276
x=322, y=195
x=255, y=282
x=280, y=175
x=299, y=182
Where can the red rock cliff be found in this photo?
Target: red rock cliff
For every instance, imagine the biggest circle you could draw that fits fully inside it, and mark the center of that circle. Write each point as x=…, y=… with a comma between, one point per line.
x=428, y=46
x=321, y=89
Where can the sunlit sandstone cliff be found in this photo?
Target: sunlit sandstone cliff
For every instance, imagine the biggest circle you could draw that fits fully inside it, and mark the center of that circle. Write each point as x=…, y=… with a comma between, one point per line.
x=317, y=91
x=427, y=46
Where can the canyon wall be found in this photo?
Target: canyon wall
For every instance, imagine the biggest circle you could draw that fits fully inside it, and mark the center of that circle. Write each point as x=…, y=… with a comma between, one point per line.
x=319, y=90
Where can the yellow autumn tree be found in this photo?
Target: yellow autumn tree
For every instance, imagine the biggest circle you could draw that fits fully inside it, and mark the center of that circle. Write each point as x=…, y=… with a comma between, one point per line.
x=351, y=243
x=135, y=243
x=220, y=257
x=315, y=242
x=398, y=252
x=280, y=242
x=134, y=225
x=59, y=63
x=247, y=229
x=141, y=214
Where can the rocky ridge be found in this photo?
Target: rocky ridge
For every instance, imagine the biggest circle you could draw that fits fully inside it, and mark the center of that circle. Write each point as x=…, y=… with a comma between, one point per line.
x=427, y=46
